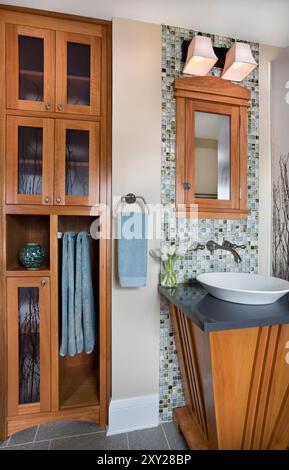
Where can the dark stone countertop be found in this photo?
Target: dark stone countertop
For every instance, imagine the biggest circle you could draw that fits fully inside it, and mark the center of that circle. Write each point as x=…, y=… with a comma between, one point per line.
x=211, y=314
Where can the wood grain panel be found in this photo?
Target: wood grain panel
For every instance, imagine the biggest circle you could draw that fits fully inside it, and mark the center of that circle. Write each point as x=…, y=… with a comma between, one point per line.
x=54, y=266
x=189, y=367
x=232, y=354
x=3, y=323
x=187, y=425
x=213, y=86
x=19, y=423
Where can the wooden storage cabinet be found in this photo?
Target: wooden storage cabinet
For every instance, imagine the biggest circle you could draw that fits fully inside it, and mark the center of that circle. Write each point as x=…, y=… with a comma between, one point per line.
x=55, y=142
x=211, y=148
x=28, y=345
x=53, y=70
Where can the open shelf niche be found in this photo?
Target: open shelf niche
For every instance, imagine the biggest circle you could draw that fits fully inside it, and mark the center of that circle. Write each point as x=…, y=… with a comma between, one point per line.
x=79, y=374
x=23, y=229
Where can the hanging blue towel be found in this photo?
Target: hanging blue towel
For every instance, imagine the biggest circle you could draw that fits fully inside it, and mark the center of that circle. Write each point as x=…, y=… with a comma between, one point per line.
x=67, y=342
x=85, y=322
x=132, y=249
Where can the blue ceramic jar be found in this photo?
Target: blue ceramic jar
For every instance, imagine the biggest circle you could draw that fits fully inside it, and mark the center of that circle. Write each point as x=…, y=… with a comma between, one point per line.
x=32, y=256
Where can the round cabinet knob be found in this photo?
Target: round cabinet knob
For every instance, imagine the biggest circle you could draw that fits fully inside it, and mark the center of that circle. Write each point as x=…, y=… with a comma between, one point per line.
x=47, y=199
x=48, y=106
x=43, y=282
x=58, y=200
x=60, y=107
x=187, y=186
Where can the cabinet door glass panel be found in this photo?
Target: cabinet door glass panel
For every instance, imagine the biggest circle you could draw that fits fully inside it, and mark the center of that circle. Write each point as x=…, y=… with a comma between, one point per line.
x=30, y=161
x=31, y=68
x=78, y=74
x=77, y=162
x=212, y=156
x=29, y=345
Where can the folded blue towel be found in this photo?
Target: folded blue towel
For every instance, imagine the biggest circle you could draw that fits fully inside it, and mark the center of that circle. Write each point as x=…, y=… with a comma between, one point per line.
x=132, y=249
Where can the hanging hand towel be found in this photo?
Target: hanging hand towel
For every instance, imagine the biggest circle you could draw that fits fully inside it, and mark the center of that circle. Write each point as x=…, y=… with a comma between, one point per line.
x=132, y=249
x=85, y=322
x=68, y=341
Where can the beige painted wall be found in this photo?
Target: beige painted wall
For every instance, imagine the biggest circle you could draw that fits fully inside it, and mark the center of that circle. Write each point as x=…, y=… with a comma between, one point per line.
x=267, y=54
x=136, y=164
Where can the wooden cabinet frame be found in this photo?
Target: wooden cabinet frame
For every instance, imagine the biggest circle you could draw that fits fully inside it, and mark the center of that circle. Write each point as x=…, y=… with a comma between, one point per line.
x=14, y=408
x=12, y=196
x=62, y=39
x=93, y=165
x=13, y=31
x=211, y=95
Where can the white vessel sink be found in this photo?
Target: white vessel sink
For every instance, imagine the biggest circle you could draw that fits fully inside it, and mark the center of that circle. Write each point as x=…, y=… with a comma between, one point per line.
x=244, y=288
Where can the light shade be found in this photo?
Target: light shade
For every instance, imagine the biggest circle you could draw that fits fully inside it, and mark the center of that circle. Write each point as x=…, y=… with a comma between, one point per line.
x=201, y=57
x=239, y=62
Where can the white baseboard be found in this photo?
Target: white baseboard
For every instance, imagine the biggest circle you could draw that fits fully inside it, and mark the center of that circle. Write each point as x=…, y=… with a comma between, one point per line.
x=131, y=414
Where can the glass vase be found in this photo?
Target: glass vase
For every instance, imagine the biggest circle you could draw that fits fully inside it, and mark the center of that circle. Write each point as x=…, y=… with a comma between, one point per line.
x=169, y=275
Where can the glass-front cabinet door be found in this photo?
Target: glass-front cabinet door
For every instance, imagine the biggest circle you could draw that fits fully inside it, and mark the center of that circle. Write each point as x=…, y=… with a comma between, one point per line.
x=29, y=160
x=28, y=345
x=78, y=73
x=77, y=162
x=30, y=67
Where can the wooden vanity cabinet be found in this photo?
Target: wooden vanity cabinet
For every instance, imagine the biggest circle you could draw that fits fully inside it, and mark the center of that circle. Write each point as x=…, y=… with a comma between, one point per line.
x=236, y=385
x=211, y=148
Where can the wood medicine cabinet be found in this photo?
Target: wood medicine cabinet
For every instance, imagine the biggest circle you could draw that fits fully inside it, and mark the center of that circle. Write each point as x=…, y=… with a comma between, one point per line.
x=211, y=132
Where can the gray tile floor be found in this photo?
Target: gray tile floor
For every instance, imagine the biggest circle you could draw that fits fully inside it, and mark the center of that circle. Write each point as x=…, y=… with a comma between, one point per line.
x=68, y=435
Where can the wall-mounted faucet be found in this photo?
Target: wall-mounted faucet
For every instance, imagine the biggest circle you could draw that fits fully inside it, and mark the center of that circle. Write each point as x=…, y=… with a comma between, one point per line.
x=226, y=245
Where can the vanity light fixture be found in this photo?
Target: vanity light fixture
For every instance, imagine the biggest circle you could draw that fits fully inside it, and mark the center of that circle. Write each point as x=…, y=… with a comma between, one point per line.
x=239, y=62
x=201, y=56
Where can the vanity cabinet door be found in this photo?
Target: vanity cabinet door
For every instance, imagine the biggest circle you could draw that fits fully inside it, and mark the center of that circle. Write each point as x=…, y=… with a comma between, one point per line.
x=29, y=160
x=77, y=163
x=28, y=345
x=30, y=61
x=78, y=73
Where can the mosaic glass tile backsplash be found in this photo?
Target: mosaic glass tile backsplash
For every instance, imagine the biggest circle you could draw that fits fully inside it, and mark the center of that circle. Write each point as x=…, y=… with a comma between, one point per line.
x=236, y=231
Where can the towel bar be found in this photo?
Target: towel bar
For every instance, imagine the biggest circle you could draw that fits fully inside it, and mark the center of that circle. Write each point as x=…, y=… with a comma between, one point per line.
x=131, y=198
x=60, y=235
